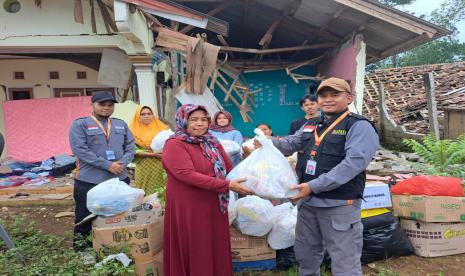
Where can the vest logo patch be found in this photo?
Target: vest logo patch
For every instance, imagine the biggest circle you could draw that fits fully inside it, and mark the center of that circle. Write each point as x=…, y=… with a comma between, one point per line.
x=339, y=132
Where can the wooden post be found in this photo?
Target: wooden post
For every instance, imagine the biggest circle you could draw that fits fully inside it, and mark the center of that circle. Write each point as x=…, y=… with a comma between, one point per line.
x=382, y=99
x=428, y=78
x=171, y=101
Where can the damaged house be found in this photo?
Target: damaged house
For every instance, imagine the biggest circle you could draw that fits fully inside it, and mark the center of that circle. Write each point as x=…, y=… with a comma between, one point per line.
x=270, y=53
x=406, y=111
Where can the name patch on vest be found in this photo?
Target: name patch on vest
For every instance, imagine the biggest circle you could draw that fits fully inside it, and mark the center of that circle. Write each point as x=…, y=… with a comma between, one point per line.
x=339, y=132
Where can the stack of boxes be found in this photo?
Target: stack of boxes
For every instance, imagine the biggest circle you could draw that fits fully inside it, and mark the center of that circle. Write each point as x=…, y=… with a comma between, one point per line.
x=141, y=228
x=251, y=253
x=435, y=225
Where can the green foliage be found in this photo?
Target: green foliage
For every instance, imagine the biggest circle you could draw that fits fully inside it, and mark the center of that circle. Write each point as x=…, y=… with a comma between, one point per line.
x=444, y=157
x=444, y=50
x=394, y=3
x=48, y=255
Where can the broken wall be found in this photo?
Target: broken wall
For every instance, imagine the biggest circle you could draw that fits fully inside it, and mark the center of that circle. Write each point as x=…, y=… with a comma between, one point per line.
x=348, y=63
x=277, y=103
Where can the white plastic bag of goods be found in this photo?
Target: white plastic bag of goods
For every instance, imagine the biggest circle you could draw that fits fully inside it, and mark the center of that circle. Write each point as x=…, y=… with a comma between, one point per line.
x=267, y=171
x=282, y=234
x=159, y=140
x=249, y=144
x=254, y=216
x=230, y=147
x=113, y=197
x=232, y=212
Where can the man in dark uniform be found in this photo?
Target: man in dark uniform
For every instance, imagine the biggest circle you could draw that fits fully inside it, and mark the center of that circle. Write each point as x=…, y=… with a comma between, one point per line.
x=103, y=146
x=338, y=146
x=309, y=105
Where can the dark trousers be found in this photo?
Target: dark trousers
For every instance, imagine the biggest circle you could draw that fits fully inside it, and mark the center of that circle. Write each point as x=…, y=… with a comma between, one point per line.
x=80, y=212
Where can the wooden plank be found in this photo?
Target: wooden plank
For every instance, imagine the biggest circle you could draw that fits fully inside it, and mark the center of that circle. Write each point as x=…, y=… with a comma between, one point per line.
x=225, y=43
x=152, y=19
x=290, y=22
x=432, y=104
x=278, y=50
x=213, y=80
x=313, y=61
x=228, y=95
x=298, y=52
x=35, y=200
x=126, y=90
x=37, y=190
x=78, y=16
x=213, y=12
x=403, y=46
x=92, y=16
x=107, y=17
x=333, y=18
x=388, y=16
x=266, y=38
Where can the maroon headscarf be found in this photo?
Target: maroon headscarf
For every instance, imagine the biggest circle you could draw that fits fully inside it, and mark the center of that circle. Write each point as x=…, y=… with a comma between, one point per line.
x=214, y=126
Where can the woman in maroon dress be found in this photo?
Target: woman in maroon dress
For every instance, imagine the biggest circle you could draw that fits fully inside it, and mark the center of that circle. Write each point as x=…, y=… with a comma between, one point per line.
x=196, y=234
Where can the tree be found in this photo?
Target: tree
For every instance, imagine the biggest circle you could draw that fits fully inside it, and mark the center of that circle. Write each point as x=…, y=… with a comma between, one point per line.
x=395, y=3
x=444, y=50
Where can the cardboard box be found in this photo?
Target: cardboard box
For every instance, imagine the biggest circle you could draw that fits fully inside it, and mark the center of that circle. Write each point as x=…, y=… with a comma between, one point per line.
x=145, y=240
x=376, y=195
x=253, y=254
x=152, y=268
x=435, y=239
x=255, y=265
x=246, y=248
x=239, y=240
x=144, y=213
x=430, y=208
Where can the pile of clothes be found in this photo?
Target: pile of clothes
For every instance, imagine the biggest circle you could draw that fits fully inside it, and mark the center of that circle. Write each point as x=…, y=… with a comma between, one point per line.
x=18, y=173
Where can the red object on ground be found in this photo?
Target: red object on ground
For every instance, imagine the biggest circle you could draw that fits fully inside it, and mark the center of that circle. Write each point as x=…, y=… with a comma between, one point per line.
x=196, y=237
x=429, y=185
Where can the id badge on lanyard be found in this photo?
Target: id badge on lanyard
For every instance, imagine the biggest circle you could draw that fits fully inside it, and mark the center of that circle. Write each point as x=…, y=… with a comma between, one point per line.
x=311, y=167
x=110, y=154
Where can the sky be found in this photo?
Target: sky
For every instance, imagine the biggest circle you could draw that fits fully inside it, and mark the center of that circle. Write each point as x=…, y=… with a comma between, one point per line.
x=426, y=7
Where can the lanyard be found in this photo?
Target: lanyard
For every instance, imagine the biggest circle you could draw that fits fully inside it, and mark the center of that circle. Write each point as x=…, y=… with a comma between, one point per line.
x=319, y=139
x=107, y=132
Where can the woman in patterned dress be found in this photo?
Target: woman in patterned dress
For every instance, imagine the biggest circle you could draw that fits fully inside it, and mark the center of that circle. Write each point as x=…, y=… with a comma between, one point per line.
x=149, y=174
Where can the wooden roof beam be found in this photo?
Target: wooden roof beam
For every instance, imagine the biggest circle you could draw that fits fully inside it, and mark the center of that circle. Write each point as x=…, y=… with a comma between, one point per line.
x=386, y=15
x=266, y=39
x=298, y=52
x=213, y=12
x=225, y=43
x=333, y=18
x=291, y=21
x=278, y=50
x=405, y=46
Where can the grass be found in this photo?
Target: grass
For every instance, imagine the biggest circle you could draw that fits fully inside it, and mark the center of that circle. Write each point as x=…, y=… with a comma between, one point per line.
x=44, y=254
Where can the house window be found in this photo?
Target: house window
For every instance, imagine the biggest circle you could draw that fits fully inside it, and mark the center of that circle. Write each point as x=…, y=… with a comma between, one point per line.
x=69, y=92
x=82, y=75
x=20, y=93
x=54, y=75
x=18, y=75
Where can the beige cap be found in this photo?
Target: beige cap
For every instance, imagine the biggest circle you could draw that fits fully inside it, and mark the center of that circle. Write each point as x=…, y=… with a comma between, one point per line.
x=336, y=84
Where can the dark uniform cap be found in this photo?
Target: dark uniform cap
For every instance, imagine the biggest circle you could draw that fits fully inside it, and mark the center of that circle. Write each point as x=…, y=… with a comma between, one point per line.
x=103, y=97
x=336, y=84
